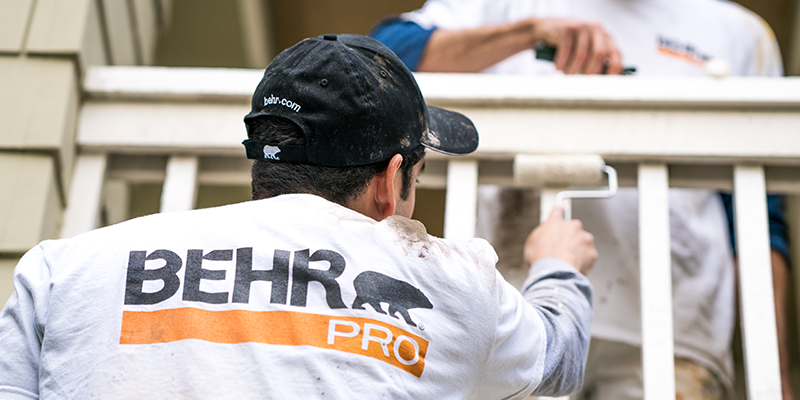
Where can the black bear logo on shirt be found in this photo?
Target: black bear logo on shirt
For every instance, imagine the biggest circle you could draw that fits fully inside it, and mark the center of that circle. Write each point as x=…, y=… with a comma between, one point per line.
x=375, y=288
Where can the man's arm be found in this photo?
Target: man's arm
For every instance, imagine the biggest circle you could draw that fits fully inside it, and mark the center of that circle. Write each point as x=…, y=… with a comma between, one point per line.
x=562, y=298
x=406, y=39
x=542, y=335
x=581, y=47
x=19, y=332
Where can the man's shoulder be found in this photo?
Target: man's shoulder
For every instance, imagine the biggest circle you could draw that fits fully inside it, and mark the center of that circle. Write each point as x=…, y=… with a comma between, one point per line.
x=228, y=225
x=750, y=35
x=412, y=236
x=730, y=12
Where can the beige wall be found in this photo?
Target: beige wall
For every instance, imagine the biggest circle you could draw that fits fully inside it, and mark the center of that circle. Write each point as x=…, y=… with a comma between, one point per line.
x=45, y=48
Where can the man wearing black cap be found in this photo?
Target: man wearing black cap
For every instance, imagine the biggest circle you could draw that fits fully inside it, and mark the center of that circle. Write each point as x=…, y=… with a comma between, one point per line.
x=322, y=287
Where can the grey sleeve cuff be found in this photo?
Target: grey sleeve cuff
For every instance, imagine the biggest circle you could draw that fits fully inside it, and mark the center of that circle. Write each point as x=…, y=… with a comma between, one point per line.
x=563, y=298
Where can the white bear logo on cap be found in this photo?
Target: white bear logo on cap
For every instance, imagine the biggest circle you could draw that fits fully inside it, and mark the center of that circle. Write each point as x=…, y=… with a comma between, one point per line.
x=271, y=152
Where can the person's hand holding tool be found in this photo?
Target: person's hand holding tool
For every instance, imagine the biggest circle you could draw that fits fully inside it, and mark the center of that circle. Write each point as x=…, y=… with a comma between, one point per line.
x=580, y=47
x=557, y=238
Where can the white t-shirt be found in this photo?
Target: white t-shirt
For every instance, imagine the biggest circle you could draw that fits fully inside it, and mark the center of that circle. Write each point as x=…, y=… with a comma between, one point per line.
x=289, y=297
x=658, y=38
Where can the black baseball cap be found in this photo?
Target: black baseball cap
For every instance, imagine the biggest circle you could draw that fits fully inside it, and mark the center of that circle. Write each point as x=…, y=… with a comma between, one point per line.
x=356, y=103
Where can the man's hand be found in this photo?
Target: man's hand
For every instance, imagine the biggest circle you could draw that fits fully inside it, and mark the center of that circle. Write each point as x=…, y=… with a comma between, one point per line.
x=561, y=239
x=581, y=47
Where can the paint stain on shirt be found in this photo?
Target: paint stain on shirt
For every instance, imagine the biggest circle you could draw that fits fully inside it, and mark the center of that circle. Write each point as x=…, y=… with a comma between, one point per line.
x=411, y=234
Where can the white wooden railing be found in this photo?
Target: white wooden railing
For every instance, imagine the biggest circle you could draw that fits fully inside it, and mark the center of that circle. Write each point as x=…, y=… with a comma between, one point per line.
x=183, y=127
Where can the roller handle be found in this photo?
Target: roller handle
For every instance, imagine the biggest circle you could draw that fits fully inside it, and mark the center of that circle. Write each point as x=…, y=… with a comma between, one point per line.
x=589, y=194
x=546, y=52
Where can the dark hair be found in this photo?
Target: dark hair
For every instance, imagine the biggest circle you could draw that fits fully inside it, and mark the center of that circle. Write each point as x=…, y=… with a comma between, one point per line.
x=337, y=184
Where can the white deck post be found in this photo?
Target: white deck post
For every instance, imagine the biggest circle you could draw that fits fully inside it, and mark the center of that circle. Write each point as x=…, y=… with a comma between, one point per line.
x=461, y=199
x=85, y=195
x=180, y=184
x=116, y=200
x=759, y=332
x=656, y=283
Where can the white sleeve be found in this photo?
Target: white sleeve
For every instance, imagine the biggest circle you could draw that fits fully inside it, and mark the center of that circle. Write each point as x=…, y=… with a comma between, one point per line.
x=562, y=297
x=459, y=14
x=767, y=50
x=763, y=56
x=22, y=327
x=542, y=338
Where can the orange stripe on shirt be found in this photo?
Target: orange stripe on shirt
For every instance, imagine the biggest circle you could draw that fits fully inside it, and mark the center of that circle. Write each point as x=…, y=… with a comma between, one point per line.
x=362, y=336
x=669, y=52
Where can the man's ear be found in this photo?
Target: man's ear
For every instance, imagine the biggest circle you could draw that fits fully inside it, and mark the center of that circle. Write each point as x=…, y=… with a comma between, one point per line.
x=386, y=190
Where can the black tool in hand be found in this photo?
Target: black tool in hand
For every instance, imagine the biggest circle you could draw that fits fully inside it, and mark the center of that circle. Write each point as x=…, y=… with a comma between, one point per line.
x=548, y=53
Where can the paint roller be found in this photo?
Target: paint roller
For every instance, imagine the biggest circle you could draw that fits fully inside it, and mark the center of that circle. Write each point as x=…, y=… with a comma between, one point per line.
x=556, y=172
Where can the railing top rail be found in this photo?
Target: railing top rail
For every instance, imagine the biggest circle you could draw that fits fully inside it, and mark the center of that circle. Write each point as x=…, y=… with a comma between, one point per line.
x=170, y=83
x=615, y=91
x=237, y=85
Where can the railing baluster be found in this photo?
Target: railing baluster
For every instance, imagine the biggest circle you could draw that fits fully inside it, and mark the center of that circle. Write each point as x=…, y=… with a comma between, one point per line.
x=759, y=332
x=116, y=200
x=656, y=283
x=461, y=200
x=85, y=195
x=180, y=184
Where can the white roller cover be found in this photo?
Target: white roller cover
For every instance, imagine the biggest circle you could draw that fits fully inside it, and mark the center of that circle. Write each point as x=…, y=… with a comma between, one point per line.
x=558, y=170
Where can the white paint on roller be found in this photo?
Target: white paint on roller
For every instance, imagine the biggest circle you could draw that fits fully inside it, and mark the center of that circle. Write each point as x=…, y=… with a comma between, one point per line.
x=558, y=170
